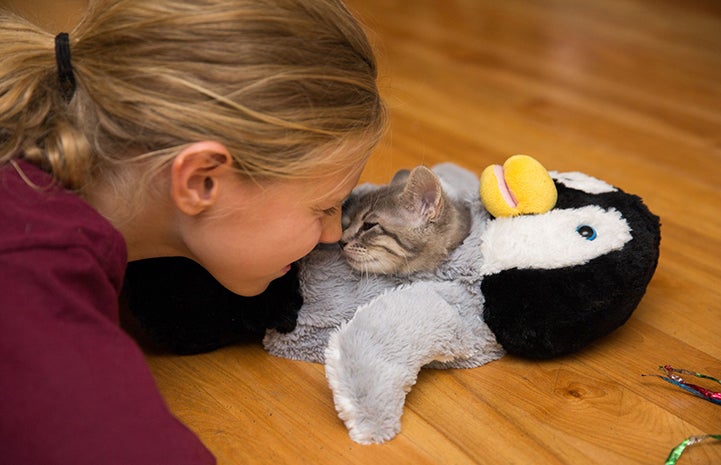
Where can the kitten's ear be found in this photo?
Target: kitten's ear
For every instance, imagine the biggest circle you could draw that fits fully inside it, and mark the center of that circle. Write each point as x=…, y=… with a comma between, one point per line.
x=400, y=177
x=423, y=193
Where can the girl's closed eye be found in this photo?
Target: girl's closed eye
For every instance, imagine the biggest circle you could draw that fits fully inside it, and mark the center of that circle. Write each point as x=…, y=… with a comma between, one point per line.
x=331, y=211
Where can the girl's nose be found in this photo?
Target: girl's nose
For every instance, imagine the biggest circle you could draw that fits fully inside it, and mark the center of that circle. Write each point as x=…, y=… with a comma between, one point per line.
x=332, y=231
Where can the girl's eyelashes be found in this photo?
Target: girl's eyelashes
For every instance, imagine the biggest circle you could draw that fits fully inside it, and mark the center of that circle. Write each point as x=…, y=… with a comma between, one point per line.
x=330, y=211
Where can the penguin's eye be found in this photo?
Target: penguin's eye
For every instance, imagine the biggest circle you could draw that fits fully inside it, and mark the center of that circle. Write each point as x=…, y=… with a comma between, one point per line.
x=586, y=232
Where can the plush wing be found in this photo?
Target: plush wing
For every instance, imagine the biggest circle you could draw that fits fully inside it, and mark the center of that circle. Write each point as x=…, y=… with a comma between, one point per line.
x=373, y=360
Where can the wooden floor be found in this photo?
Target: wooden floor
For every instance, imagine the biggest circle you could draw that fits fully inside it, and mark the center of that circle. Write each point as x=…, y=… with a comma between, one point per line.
x=625, y=90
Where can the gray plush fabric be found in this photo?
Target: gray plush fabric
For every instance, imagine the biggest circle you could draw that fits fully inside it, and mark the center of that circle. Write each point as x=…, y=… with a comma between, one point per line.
x=333, y=292
x=375, y=332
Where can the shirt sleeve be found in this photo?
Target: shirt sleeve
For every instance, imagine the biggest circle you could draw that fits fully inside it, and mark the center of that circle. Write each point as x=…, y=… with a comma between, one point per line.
x=76, y=388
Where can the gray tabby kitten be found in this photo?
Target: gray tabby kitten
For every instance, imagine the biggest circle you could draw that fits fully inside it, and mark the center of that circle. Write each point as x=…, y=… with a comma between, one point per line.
x=407, y=226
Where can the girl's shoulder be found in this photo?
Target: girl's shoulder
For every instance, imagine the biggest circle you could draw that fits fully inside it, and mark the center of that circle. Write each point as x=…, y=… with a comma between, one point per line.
x=36, y=213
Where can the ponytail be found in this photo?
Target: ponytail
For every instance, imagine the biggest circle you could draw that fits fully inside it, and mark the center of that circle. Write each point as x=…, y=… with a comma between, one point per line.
x=34, y=122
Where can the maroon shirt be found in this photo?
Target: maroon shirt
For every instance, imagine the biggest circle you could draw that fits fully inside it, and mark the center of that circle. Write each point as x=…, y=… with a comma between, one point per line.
x=74, y=388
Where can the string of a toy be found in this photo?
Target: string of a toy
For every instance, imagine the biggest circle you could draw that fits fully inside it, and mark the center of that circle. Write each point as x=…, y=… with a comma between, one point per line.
x=690, y=441
x=699, y=391
x=673, y=377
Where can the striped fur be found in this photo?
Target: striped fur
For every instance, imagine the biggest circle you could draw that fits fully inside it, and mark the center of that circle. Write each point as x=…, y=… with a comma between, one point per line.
x=407, y=226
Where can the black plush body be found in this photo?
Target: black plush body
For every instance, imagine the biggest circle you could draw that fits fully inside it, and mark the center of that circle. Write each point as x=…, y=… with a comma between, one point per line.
x=185, y=310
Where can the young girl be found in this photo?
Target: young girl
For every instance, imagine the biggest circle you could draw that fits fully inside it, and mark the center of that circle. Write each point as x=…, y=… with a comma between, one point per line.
x=224, y=131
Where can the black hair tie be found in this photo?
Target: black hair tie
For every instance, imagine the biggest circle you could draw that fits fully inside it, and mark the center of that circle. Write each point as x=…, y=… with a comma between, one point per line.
x=66, y=78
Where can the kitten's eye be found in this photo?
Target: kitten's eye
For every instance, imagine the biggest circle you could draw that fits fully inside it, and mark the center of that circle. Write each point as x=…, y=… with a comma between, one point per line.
x=366, y=226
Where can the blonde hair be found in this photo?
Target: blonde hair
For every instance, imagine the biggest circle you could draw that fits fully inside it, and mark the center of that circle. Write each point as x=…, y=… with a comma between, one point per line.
x=286, y=85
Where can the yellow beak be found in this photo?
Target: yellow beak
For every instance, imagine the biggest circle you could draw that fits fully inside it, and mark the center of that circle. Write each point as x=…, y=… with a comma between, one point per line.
x=521, y=186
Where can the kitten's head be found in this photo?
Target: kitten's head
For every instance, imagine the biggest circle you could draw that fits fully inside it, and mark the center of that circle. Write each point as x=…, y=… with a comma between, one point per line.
x=407, y=226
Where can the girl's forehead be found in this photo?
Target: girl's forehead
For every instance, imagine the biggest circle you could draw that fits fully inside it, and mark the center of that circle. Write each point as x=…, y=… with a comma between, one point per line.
x=330, y=180
x=332, y=189
x=323, y=189
x=333, y=182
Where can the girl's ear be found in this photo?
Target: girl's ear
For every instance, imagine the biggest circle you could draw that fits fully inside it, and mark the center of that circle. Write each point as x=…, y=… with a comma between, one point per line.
x=195, y=174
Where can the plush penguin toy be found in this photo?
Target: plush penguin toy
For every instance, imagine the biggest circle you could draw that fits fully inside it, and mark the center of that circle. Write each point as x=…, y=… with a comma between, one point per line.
x=558, y=293
x=553, y=262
